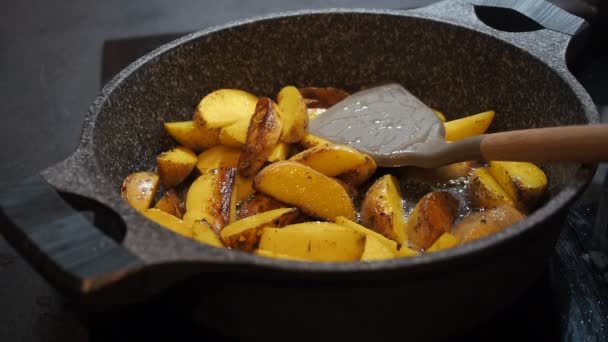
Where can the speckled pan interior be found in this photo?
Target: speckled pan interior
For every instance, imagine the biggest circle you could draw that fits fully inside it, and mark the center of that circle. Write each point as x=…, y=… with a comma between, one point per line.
x=456, y=69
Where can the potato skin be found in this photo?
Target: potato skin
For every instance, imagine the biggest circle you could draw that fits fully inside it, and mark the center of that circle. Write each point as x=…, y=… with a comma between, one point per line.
x=188, y=134
x=139, y=188
x=484, y=192
x=244, y=234
x=432, y=216
x=480, y=224
x=381, y=209
x=262, y=136
x=171, y=203
x=211, y=197
x=175, y=165
x=295, y=116
x=316, y=97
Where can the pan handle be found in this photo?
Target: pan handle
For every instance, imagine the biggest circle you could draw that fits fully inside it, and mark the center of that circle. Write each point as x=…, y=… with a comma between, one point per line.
x=558, y=28
x=544, y=13
x=58, y=240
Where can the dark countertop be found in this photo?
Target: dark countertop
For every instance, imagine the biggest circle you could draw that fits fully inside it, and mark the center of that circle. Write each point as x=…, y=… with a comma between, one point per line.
x=50, y=62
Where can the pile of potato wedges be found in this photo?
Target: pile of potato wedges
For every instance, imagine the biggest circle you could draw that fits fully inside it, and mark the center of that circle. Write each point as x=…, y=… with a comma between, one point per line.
x=247, y=175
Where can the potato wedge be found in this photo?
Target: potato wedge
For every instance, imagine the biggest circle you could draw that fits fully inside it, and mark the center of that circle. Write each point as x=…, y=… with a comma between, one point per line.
x=263, y=135
x=480, y=224
x=390, y=244
x=244, y=234
x=295, y=117
x=315, y=241
x=337, y=160
x=257, y=204
x=361, y=174
x=269, y=254
x=406, y=252
x=202, y=232
x=315, y=97
x=376, y=250
x=218, y=156
x=175, y=165
x=468, y=126
x=139, y=188
x=525, y=182
x=234, y=135
x=187, y=134
x=439, y=175
x=279, y=152
x=445, y=241
x=211, y=197
x=439, y=115
x=382, y=210
x=314, y=193
x=244, y=188
x=310, y=141
x=224, y=107
x=485, y=192
x=432, y=216
x=171, y=203
x=168, y=221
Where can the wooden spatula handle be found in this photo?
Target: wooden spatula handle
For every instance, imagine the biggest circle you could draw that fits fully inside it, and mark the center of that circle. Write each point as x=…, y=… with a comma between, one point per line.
x=566, y=143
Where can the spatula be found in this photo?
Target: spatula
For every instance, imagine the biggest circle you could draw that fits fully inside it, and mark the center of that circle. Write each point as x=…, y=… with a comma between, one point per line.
x=396, y=129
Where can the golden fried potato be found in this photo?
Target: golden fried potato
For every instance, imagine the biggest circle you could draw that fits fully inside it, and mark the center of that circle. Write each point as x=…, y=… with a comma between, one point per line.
x=390, y=244
x=257, y=204
x=218, y=156
x=263, y=135
x=244, y=187
x=314, y=241
x=338, y=160
x=171, y=203
x=360, y=174
x=269, y=254
x=168, y=221
x=468, y=126
x=376, y=250
x=439, y=175
x=244, y=234
x=234, y=135
x=211, y=197
x=175, y=165
x=406, y=252
x=279, y=152
x=432, y=216
x=382, y=210
x=445, y=241
x=187, y=134
x=139, y=188
x=310, y=141
x=322, y=97
x=314, y=193
x=439, y=115
x=295, y=117
x=224, y=107
x=480, y=224
x=202, y=232
x=525, y=182
x=485, y=192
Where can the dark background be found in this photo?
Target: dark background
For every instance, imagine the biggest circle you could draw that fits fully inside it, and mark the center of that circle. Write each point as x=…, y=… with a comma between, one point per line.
x=50, y=71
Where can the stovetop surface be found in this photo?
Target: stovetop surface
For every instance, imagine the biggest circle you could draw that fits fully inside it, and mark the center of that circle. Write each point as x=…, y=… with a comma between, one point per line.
x=568, y=303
